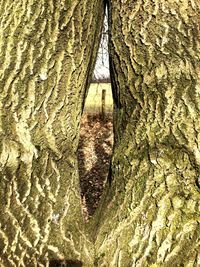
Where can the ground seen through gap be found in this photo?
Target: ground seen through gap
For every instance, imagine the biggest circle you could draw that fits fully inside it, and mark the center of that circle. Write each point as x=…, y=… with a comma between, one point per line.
x=96, y=131
x=94, y=155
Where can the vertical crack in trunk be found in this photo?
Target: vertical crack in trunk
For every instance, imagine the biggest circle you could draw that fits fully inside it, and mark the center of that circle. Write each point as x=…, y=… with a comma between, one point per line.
x=96, y=132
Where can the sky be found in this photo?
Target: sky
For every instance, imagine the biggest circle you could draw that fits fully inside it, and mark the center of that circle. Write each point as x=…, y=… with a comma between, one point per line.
x=102, y=64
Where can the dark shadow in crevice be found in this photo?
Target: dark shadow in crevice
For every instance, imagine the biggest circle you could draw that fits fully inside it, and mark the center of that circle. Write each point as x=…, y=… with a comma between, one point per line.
x=67, y=263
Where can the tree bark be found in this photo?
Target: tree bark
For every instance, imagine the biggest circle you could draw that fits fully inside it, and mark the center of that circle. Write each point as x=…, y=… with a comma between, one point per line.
x=150, y=215
x=48, y=51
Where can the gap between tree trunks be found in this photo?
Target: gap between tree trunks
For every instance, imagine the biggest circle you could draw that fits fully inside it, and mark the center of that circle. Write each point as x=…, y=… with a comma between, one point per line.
x=96, y=132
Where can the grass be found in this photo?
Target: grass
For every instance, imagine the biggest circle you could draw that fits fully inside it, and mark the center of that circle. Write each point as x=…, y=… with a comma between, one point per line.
x=93, y=104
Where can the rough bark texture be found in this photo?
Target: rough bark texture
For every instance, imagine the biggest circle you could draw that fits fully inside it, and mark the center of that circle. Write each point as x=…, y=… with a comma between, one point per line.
x=47, y=51
x=150, y=215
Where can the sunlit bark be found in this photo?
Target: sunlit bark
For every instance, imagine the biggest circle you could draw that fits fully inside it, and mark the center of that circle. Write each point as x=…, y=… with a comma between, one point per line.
x=47, y=53
x=151, y=212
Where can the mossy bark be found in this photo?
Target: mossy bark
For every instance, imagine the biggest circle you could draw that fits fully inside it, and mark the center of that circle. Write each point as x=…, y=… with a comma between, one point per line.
x=150, y=214
x=48, y=50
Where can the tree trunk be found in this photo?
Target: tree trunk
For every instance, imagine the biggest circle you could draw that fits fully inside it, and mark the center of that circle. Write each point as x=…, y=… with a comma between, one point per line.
x=48, y=50
x=150, y=215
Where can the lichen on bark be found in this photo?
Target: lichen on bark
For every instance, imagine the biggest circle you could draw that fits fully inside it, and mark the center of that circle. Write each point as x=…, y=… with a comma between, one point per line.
x=150, y=215
x=48, y=51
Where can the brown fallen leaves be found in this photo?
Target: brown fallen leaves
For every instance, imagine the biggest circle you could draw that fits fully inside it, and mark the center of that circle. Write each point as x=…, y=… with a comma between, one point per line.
x=94, y=155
